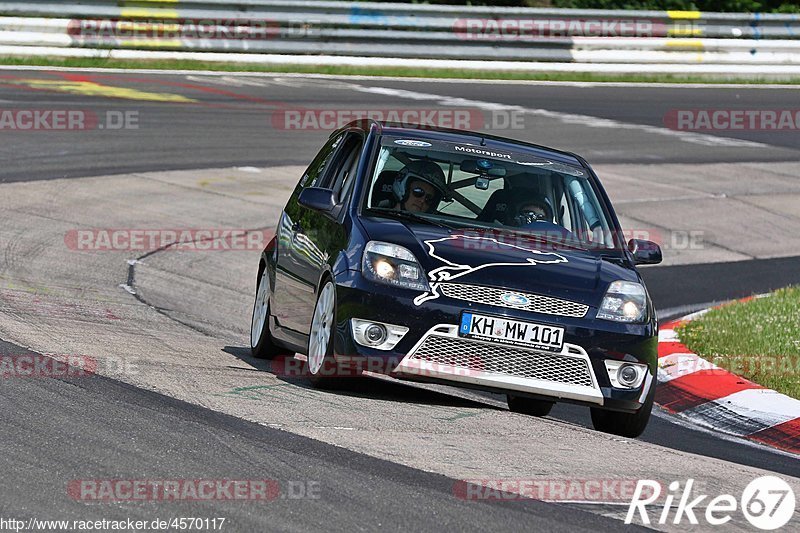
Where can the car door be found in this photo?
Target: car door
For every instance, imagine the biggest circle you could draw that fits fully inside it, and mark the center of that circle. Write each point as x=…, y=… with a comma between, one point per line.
x=316, y=237
x=288, y=285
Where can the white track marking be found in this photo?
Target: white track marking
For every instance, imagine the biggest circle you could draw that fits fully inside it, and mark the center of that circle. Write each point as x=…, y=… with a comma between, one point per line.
x=127, y=288
x=667, y=335
x=696, y=314
x=764, y=405
x=688, y=424
x=566, y=118
x=239, y=74
x=675, y=365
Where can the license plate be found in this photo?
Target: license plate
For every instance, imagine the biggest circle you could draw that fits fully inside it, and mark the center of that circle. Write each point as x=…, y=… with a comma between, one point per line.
x=515, y=332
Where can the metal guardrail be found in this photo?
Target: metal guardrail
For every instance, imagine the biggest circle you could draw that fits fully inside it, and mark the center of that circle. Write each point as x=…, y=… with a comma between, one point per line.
x=410, y=31
x=397, y=15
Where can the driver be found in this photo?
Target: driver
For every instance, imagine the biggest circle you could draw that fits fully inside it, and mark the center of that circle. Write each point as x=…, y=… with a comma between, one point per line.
x=419, y=187
x=533, y=209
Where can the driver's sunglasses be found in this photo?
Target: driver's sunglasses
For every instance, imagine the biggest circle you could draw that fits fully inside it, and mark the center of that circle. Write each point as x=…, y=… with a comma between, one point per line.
x=419, y=192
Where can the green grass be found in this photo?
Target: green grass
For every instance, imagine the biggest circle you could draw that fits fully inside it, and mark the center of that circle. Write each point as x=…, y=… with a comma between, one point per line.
x=374, y=71
x=758, y=339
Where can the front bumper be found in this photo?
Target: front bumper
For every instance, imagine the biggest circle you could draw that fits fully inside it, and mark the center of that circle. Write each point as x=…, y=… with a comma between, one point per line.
x=442, y=354
x=433, y=351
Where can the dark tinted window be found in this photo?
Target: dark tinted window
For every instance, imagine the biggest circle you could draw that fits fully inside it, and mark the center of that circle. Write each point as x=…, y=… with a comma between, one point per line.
x=344, y=169
x=315, y=172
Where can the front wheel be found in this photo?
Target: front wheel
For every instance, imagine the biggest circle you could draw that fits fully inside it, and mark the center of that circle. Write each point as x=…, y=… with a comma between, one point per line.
x=624, y=424
x=262, y=346
x=529, y=406
x=321, y=363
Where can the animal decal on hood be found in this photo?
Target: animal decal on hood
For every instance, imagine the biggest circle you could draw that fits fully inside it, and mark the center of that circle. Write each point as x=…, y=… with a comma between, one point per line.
x=451, y=271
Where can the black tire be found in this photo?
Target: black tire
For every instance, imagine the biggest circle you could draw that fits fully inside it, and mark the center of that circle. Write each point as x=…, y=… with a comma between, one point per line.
x=265, y=346
x=325, y=376
x=629, y=425
x=529, y=406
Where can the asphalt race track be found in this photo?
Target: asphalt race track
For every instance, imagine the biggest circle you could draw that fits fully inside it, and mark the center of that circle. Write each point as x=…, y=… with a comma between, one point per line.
x=173, y=438
x=381, y=454
x=225, y=122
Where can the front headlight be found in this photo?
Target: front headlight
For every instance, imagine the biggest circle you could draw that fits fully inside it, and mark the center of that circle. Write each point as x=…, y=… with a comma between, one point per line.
x=389, y=263
x=625, y=301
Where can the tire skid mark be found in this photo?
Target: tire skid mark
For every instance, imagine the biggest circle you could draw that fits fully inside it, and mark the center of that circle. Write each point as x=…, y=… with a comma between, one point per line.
x=130, y=283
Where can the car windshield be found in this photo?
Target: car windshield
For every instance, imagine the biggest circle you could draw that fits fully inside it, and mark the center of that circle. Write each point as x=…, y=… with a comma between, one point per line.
x=476, y=187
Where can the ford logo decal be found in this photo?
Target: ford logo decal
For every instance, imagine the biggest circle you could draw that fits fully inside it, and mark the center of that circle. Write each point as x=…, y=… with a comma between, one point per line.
x=514, y=299
x=412, y=142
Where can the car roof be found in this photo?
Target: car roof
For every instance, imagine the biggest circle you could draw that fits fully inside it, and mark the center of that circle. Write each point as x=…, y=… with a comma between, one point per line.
x=465, y=136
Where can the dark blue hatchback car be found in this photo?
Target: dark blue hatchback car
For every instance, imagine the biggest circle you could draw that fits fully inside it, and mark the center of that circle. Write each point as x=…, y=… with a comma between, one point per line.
x=465, y=259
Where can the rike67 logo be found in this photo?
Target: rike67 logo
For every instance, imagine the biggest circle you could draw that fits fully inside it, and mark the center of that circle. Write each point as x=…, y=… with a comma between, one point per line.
x=767, y=502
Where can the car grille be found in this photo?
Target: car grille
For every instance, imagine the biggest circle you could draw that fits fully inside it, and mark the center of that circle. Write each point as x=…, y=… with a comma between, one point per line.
x=484, y=357
x=491, y=296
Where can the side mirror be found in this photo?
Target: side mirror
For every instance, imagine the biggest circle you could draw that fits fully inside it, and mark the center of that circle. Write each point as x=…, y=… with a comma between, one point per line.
x=645, y=252
x=317, y=198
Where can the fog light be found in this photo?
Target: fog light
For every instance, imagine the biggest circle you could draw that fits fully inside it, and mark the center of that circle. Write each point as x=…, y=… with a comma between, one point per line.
x=627, y=375
x=624, y=375
x=375, y=334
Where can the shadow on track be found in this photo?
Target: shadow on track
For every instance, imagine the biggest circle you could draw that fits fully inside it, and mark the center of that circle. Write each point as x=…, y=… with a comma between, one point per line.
x=360, y=386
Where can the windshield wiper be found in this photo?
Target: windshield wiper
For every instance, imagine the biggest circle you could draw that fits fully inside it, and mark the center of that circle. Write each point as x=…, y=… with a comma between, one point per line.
x=408, y=215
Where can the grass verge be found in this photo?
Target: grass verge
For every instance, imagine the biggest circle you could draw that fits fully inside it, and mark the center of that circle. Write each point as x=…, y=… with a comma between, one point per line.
x=403, y=72
x=758, y=339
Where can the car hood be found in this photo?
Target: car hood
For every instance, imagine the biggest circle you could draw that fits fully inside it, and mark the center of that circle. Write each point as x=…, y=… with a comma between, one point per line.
x=503, y=260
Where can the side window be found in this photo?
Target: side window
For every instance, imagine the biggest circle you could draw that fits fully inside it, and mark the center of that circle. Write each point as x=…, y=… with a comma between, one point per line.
x=316, y=170
x=350, y=175
x=343, y=170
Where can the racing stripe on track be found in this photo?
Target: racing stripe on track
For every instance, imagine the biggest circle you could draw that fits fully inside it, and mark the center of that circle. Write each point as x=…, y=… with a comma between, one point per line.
x=697, y=388
x=668, y=348
x=709, y=396
x=780, y=436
